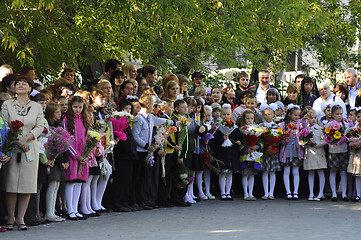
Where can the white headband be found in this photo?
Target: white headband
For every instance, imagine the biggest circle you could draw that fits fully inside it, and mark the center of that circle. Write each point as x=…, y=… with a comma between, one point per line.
x=280, y=105
x=333, y=104
x=226, y=106
x=272, y=106
x=290, y=106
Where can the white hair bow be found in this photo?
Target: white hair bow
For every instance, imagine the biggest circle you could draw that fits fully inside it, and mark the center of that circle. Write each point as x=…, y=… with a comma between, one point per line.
x=290, y=106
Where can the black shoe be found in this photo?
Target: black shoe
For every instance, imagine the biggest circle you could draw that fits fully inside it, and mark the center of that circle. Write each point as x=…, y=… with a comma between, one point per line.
x=345, y=199
x=122, y=209
x=151, y=204
x=229, y=197
x=145, y=207
x=224, y=197
x=72, y=218
x=34, y=223
x=166, y=204
x=136, y=207
x=180, y=203
x=334, y=199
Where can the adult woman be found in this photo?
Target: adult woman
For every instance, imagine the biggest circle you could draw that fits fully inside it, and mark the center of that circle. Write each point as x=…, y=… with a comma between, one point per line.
x=149, y=72
x=142, y=85
x=306, y=97
x=130, y=70
x=171, y=90
x=116, y=79
x=22, y=169
x=125, y=89
x=135, y=88
x=110, y=106
x=8, y=84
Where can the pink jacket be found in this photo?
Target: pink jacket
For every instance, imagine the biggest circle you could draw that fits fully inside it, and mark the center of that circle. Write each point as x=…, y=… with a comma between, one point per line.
x=75, y=170
x=300, y=150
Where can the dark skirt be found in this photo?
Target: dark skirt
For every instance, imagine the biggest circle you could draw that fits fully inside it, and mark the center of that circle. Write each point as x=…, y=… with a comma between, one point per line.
x=338, y=161
x=196, y=163
x=57, y=173
x=270, y=162
x=94, y=170
x=42, y=174
x=295, y=162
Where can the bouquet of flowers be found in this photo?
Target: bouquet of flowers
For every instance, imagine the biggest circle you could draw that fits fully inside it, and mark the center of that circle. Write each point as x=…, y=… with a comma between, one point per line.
x=227, y=126
x=12, y=137
x=211, y=129
x=252, y=133
x=334, y=133
x=353, y=136
x=92, y=139
x=291, y=126
x=305, y=137
x=58, y=142
x=271, y=136
x=120, y=121
x=160, y=137
x=182, y=177
x=182, y=131
x=106, y=131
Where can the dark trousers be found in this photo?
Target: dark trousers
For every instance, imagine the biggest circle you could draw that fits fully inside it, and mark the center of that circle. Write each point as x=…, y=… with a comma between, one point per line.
x=138, y=176
x=122, y=183
x=165, y=184
x=151, y=180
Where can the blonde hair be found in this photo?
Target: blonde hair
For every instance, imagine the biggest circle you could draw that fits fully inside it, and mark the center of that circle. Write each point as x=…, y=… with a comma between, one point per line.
x=127, y=67
x=294, y=88
x=145, y=99
x=199, y=90
x=169, y=77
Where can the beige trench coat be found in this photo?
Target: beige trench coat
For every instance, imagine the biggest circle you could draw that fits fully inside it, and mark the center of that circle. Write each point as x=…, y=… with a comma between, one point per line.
x=315, y=157
x=22, y=177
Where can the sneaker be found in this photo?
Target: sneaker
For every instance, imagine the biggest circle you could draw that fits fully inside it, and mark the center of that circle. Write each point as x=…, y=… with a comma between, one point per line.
x=253, y=198
x=311, y=198
x=271, y=198
x=264, y=198
x=247, y=198
x=202, y=197
x=210, y=196
x=316, y=199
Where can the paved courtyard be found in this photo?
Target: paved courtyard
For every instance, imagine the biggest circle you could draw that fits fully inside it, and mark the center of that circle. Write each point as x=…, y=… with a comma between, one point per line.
x=278, y=219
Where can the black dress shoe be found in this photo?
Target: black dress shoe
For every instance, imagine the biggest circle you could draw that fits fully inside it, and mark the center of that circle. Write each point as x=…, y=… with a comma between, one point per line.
x=166, y=204
x=180, y=203
x=334, y=199
x=122, y=209
x=145, y=207
x=136, y=207
x=34, y=223
x=345, y=199
x=72, y=218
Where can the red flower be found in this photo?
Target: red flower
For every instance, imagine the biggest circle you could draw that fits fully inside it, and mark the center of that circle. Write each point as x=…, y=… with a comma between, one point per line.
x=16, y=125
x=348, y=135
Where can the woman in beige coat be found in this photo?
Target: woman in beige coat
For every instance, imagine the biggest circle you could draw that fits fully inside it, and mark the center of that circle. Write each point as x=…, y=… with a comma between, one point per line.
x=315, y=157
x=22, y=169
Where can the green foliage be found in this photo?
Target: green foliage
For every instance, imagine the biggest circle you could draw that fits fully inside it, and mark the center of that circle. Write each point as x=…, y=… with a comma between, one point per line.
x=177, y=36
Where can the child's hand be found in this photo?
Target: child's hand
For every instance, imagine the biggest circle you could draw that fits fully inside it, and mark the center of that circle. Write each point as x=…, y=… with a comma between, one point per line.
x=206, y=141
x=64, y=166
x=161, y=153
x=249, y=150
x=152, y=148
x=116, y=141
x=239, y=143
x=225, y=137
x=177, y=148
x=4, y=158
x=180, y=160
x=312, y=144
x=202, y=129
x=50, y=163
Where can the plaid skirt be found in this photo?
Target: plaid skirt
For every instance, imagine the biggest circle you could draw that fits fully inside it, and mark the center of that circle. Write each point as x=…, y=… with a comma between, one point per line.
x=295, y=162
x=270, y=162
x=338, y=161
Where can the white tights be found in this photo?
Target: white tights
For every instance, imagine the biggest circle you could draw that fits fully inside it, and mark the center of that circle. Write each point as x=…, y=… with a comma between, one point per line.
x=199, y=178
x=93, y=193
x=225, y=183
x=272, y=183
x=358, y=186
x=333, y=182
x=72, y=195
x=311, y=178
x=102, y=184
x=296, y=179
x=85, y=198
x=248, y=182
x=207, y=181
x=51, y=195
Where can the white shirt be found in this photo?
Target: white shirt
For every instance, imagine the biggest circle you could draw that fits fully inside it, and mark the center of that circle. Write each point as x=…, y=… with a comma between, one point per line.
x=332, y=98
x=261, y=94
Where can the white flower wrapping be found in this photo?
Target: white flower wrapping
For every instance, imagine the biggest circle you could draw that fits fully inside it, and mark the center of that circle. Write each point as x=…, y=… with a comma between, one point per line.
x=117, y=114
x=226, y=131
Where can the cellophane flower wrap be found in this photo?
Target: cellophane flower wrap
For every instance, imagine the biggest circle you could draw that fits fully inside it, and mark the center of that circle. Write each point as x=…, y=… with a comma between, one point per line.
x=92, y=139
x=120, y=121
x=59, y=142
x=211, y=129
x=12, y=137
x=334, y=133
x=272, y=136
x=227, y=126
x=181, y=176
x=252, y=134
x=353, y=135
x=304, y=137
x=289, y=128
x=105, y=127
x=184, y=123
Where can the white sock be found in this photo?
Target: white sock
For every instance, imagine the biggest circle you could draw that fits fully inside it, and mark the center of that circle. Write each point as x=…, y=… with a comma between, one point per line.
x=358, y=186
x=311, y=177
x=93, y=192
x=207, y=181
x=265, y=182
x=321, y=178
x=350, y=185
x=222, y=183
x=102, y=185
x=286, y=179
x=77, y=191
x=250, y=185
x=296, y=179
x=333, y=182
x=272, y=183
x=343, y=183
x=229, y=179
x=88, y=202
x=245, y=185
x=69, y=195
x=199, y=178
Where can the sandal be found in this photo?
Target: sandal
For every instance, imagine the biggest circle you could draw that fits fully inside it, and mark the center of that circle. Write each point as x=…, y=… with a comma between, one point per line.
x=295, y=196
x=22, y=227
x=224, y=197
x=9, y=226
x=289, y=196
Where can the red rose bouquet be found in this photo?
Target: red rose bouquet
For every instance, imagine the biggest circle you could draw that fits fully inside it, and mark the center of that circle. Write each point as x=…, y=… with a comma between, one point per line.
x=12, y=137
x=227, y=126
